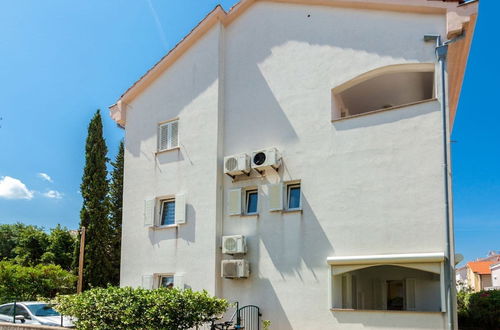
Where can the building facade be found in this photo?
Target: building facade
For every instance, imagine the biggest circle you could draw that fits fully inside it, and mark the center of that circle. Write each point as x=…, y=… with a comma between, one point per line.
x=289, y=155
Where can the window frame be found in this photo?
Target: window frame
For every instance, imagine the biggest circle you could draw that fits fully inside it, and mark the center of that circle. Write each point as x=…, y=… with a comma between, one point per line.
x=248, y=192
x=159, y=278
x=169, y=124
x=162, y=201
x=289, y=187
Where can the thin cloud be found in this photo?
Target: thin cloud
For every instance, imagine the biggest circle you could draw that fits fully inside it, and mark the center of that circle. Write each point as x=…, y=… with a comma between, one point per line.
x=45, y=176
x=53, y=194
x=161, y=31
x=12, y=188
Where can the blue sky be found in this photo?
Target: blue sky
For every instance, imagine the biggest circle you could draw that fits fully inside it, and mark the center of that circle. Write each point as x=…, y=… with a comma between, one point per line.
x=61, y=60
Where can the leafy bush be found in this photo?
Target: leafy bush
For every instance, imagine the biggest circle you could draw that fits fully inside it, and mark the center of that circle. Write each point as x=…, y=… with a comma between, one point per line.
x=479, y=310
x=29, y=283
x=128, y=308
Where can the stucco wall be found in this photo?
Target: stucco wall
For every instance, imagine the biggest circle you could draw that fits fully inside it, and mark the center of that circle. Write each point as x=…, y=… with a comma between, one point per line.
x=495, y=276
x=189, y=91
x=371, y=185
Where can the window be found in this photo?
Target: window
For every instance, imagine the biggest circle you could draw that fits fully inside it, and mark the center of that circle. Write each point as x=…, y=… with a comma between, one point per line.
x=395, y=295
x=293, y=197
x=6, y=310
x=20, y=310
x=166, y=281
x=252, y=199
x=167, y=212
x=168, y=135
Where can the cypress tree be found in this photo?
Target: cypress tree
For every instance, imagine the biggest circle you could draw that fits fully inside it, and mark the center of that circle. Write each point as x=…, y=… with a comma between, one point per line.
x=115, y=214
x=94, y=213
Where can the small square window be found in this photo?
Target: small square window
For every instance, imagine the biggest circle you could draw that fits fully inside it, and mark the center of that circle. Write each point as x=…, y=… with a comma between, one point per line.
x=166, y=281
x=167, y=214
x=252, y=200
x=168, y=135
x=293, y=197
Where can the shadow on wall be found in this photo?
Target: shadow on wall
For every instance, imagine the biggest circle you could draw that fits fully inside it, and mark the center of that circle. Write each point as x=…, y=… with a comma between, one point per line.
x=185, y=232
x=295, y=239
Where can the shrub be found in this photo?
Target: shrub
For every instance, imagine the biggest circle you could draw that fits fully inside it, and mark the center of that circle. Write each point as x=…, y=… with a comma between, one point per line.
x=479, y=310
x=29, y=283
x=128, y=308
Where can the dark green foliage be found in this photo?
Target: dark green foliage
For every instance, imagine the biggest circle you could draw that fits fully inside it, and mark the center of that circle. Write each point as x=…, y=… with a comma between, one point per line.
x=31, y=245
x=479, y=310
x=126, y=308
x=94, y=213
x=29, y=283
x=9, y=239
x=60, y=248
x=115, y=213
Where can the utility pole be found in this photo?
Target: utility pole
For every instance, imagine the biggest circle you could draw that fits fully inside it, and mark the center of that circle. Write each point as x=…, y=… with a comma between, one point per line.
x=80, y=261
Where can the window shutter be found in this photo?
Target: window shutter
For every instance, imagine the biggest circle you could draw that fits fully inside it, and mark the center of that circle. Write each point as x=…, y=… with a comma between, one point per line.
x=275, y=197
x=147, y=282
x=180, y=209
x=377, y=294
x=174, y=131
x=163, y=137
x=179, y=281
x=234, y=201
x=410, y=294
x=149, y=210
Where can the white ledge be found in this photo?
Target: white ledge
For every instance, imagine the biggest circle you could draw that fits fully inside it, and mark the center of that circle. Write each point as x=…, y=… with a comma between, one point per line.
x=383, y=258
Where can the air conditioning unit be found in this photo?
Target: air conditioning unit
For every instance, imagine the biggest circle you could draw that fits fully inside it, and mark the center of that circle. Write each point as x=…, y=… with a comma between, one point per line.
x=235, y=268
x=234, y=244
x=265, y=159
x=237, y=164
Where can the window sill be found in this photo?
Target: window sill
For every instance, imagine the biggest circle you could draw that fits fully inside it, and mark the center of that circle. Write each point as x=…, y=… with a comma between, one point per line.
x=164, y=227
x=167, y=150
x=292, y=211
x=251, y=215
x=383, y=110
x=381, y=311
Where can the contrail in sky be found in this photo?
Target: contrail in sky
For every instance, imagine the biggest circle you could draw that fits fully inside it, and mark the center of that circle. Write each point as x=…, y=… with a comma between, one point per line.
x=158, y=24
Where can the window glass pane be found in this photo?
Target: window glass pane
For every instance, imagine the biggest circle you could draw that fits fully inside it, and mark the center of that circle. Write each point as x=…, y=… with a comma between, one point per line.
x=294, y=197
x=6, y=310
x=252, y=198
x=168, y=213
x=166, y=282
x=42, y=310
x=22, y=311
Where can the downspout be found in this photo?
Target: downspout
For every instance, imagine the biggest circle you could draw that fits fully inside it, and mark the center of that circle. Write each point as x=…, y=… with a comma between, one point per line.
x=441, y=54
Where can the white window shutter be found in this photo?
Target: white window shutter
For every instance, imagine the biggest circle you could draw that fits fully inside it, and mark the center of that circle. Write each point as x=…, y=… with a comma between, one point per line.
x=179, y=281
x=180, y=209
x=147, y=282
x=234, y=201
x=275, y=197
x=174, y=134
x=163, y=138
x=410, y=294
x=378, y=294
x=149, y=212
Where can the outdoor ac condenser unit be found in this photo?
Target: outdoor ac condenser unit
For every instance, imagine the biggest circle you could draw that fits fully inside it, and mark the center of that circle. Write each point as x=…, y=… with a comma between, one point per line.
x=266, y=159
x=234, y=244
x=235, y=268
x=237, y=164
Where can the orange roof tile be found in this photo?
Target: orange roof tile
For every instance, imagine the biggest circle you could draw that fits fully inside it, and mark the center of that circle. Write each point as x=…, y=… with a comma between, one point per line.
x=480, y=267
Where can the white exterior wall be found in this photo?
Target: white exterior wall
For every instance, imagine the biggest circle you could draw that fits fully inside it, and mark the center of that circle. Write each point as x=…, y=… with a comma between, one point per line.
x=370, y=185
x=188, y=90
x=495, y=276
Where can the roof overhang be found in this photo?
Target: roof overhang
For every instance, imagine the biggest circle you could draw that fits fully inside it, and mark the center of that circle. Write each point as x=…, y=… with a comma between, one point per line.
x=461, y=17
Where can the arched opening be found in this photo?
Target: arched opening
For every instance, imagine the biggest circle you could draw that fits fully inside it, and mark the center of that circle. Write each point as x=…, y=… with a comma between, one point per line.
x=387, y=287
x=384, y=88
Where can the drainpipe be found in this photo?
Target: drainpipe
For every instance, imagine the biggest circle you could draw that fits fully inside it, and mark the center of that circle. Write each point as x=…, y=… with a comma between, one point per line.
x=441, y=54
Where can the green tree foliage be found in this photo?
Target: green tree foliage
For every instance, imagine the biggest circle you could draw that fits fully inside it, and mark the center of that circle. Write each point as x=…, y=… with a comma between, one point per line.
x=126, y=308
x=479, y=310
x=94, y=213
x=115, y=213
x=31, y=245
x=29, y=283
x=9, y=239
x=60, y=248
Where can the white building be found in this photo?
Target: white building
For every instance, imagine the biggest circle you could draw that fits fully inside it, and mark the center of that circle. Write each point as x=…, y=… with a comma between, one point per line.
x=349, y=229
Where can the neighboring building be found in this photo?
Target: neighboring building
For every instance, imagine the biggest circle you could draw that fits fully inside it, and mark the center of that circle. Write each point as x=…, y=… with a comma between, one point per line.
x=461, y=278
x=337, y=105
x=495, y=276
x=479, y=275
